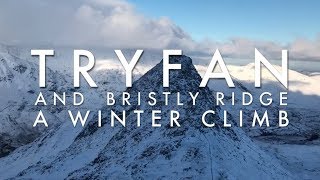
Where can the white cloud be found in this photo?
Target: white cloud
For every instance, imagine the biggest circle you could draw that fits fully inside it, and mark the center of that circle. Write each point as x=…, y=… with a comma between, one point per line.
x=305, y=49
x=117, y=24
x=299, y=49
x=108, y=23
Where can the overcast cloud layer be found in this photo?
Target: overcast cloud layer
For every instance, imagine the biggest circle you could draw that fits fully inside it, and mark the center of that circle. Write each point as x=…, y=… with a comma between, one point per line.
x=117, y=24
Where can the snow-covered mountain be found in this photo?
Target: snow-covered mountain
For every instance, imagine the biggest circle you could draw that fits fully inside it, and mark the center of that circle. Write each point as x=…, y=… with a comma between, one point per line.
x=19, y=90
x=191, y=151
x=63, y=151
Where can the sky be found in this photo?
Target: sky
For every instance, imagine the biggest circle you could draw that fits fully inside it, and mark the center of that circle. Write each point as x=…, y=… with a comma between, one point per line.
x=198, y=27
x=275, y=20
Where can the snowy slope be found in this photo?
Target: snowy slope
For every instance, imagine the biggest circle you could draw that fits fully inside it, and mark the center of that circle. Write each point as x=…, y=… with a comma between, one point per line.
x=303, y=159
x=296, y=146
x=19, y=89
x=191, y=151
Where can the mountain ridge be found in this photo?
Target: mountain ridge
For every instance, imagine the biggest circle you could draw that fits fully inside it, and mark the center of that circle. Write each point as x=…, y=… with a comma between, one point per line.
x=191, y=150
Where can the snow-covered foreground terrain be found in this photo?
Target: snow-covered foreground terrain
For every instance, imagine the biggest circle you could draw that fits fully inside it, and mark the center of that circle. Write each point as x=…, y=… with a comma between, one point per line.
x=303, y=159
x=19, y=89
x=298, y=145
x=191, y=151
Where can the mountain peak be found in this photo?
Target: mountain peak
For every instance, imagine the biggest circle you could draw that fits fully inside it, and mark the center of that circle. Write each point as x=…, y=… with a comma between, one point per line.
x=190, y=151
x=182, y=80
